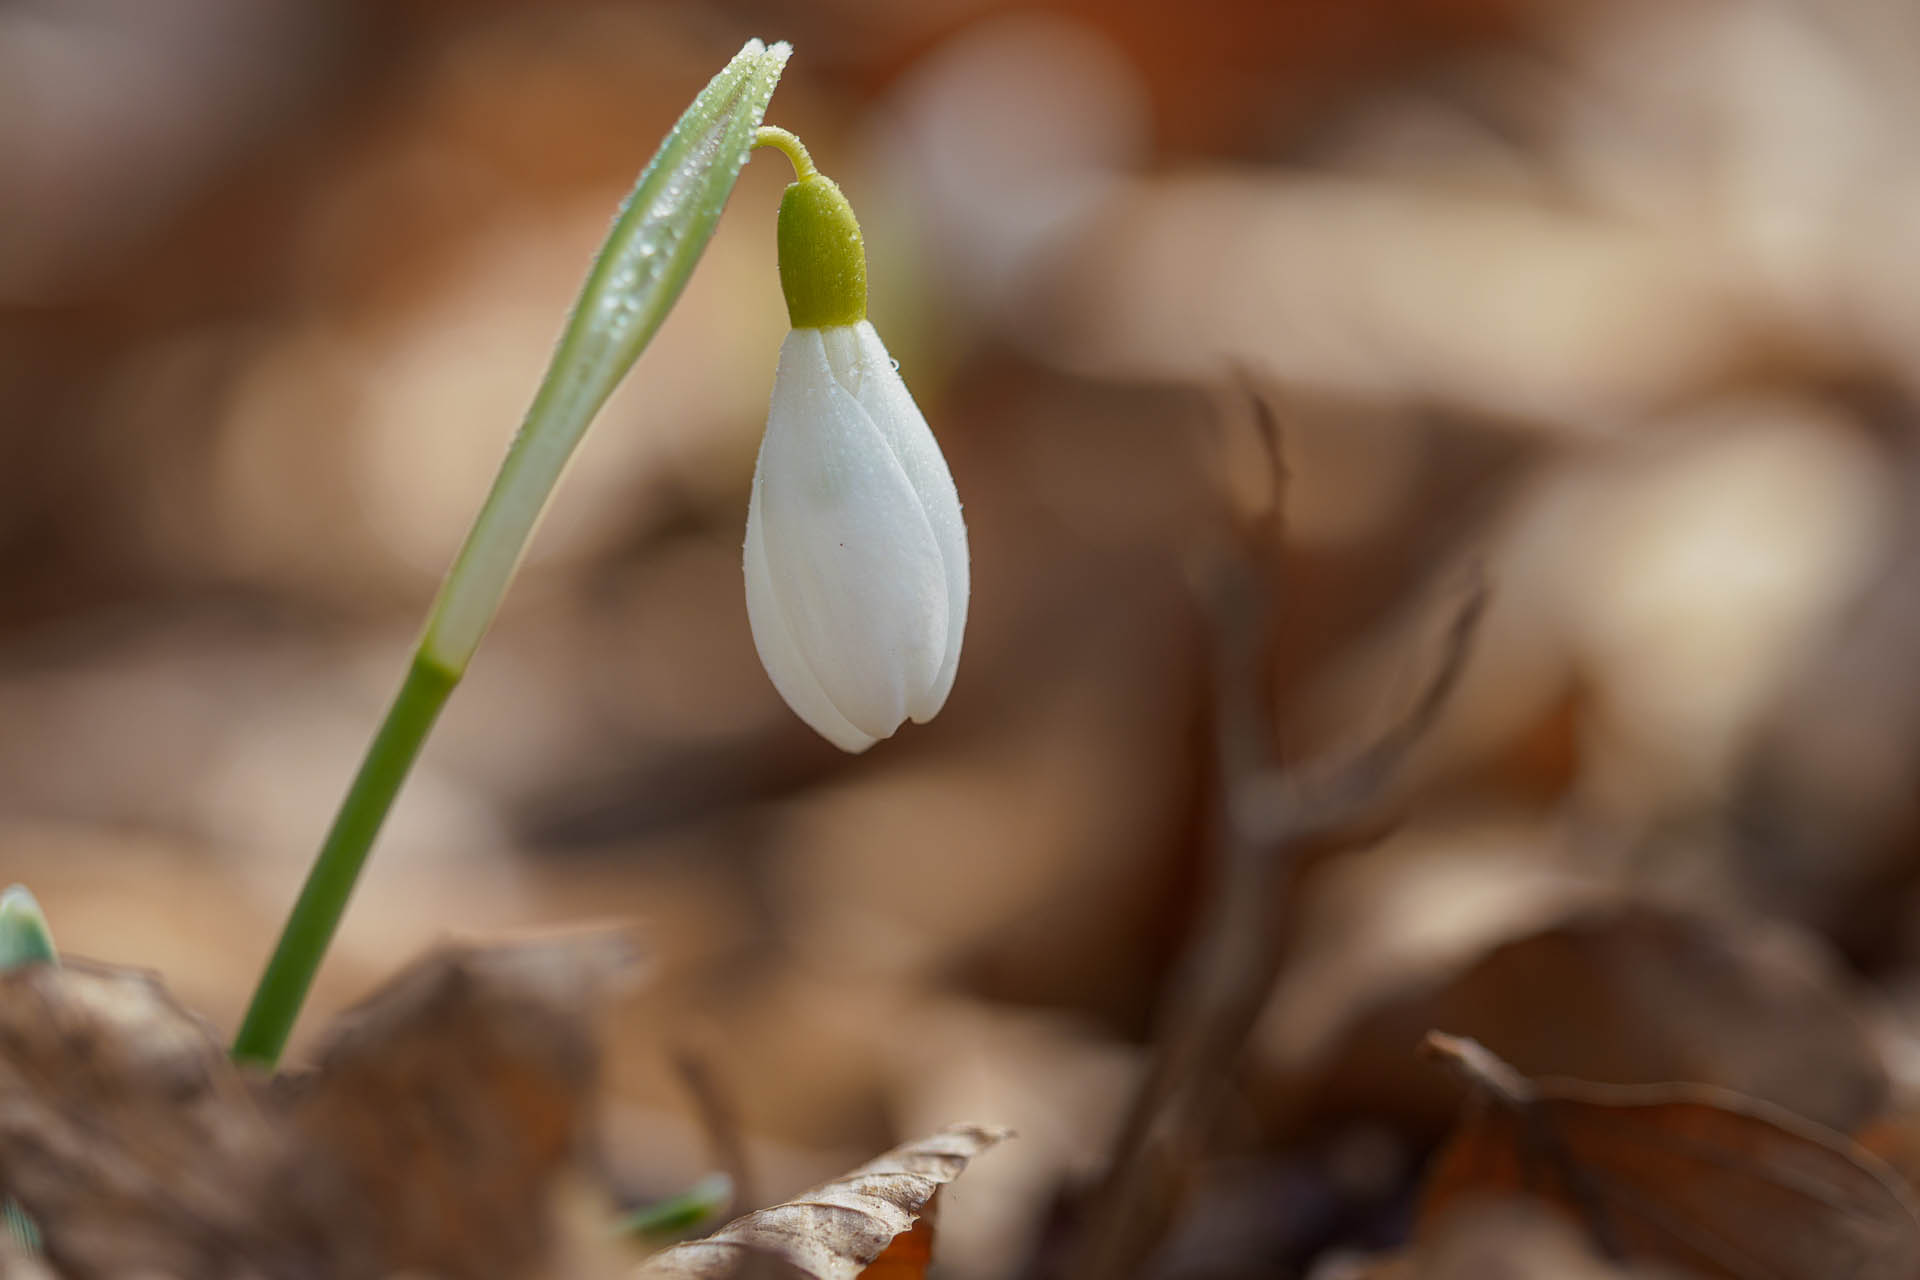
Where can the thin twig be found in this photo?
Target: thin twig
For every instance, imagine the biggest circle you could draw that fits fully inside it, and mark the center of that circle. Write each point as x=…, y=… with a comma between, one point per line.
x=1264, y=814
x=1279, y=808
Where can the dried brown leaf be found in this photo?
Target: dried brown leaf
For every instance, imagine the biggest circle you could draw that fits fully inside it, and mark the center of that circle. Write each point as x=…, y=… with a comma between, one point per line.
x=132, y=1142
x=1680, y=1174
x=430, y=1138
x=911, y=1252
x=454, y=1098
x=1631, y=993
x=839, y=1229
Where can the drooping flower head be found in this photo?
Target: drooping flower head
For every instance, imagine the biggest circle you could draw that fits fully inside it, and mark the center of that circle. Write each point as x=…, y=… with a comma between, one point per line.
x=856, y=556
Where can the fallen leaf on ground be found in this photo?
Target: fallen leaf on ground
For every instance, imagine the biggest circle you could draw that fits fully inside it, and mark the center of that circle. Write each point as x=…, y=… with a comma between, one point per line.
x=839, y=1230
x=430, y=1137
x=134, y=1145
x=911, y=1252
x=455, y=1097
x=1680, y=1174
x=1630, y=993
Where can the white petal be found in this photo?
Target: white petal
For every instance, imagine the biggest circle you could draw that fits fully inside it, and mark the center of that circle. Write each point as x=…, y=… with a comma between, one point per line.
x=861, y=363
x=779, y=654
x=853, y=563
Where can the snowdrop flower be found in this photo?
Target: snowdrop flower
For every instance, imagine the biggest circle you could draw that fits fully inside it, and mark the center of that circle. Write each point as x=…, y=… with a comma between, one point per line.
x=856, y=556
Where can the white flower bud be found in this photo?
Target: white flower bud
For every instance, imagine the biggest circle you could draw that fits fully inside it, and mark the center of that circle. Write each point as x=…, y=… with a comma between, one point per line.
x=856, y=556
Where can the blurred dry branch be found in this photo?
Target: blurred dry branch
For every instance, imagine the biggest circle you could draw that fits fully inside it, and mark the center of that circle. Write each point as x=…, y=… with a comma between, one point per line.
x=1266, y=814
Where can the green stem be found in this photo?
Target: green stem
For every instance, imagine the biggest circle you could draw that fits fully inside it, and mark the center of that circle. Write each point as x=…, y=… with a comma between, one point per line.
x=323, y=899
x=648, y=256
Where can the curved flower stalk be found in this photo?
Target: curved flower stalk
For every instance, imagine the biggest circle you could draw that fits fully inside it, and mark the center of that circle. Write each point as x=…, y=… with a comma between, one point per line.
x=856, y=555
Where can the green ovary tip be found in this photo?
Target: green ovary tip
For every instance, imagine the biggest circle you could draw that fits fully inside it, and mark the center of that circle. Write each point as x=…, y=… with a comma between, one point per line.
x=823, y=260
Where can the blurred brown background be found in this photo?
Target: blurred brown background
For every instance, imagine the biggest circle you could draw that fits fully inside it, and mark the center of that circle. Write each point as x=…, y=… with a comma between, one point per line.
x=1619, y=300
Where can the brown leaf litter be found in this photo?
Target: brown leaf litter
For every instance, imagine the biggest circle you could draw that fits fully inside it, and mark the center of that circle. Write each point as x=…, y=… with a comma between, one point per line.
x=430, y=1135
x=838, y=1230
x=1681, y=1175
x=435, y=1135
